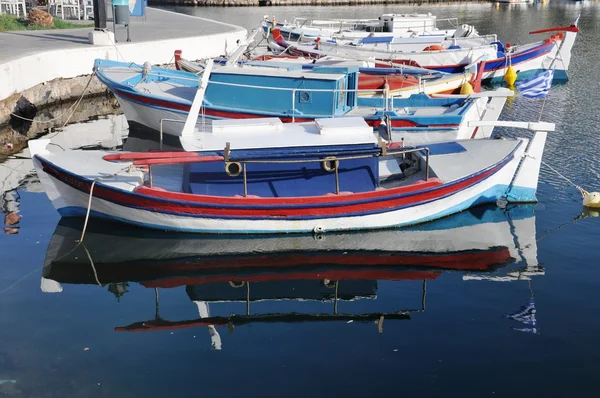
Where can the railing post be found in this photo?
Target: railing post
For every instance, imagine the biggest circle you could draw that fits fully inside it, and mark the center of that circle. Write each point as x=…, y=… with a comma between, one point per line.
x=335, y=94
x=245, y=179
x=150, y=175
x=427, y=164
x=390, y=128
x=337, y=177
x=161, y=134
x=293, y=105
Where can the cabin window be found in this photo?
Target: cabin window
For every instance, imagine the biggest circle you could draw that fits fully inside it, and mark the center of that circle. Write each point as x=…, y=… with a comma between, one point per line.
x=304, y=97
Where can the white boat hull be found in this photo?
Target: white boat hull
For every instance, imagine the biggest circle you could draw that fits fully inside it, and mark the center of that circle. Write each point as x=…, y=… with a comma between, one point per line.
x=511, y=181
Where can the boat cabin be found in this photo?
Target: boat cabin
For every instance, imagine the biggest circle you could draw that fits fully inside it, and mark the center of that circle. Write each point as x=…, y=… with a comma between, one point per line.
x=284, y=88
x=404, y=22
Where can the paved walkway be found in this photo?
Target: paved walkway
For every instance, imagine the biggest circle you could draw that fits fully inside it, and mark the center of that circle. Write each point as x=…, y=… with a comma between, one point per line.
x=158, y=25
x=30, y=58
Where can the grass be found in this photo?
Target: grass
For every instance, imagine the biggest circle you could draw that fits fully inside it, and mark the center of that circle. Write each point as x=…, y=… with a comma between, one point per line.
x=11, y=23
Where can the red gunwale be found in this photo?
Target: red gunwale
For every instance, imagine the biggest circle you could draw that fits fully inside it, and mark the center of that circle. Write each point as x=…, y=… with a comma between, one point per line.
x=571, y=28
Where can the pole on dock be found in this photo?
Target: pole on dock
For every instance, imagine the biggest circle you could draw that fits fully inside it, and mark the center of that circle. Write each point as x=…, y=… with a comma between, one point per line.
x=99, y=15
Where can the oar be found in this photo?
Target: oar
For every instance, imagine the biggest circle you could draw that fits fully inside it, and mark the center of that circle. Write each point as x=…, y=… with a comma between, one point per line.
x=192, y=118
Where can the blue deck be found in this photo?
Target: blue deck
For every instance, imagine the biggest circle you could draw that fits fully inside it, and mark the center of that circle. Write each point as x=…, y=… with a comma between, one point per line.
x=303, y=178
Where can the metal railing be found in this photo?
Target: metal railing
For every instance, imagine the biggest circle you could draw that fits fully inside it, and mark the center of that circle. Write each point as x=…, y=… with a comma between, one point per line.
x=373, y=23
x=387, y=95
x=330, y=163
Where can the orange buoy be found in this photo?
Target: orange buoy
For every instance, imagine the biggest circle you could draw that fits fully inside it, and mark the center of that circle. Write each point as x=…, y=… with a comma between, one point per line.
x=434, y=47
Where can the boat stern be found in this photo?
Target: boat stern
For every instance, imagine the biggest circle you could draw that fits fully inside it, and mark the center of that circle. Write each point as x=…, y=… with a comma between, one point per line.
x=524, y=185
x=560, y=58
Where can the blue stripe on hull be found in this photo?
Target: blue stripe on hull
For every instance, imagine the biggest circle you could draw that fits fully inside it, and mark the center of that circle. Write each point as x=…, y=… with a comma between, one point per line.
x=500, y=64
x=524, y=195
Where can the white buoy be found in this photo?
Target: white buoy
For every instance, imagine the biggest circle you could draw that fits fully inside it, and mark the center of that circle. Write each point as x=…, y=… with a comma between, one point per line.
x=591, y=199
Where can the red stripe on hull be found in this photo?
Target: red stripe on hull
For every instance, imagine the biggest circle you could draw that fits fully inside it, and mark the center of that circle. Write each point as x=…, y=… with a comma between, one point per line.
x=326, y=199
x=221, y=114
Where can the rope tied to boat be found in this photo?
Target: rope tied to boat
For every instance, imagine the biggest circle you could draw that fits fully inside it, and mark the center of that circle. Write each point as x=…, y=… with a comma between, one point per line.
x=590, y=199
x=581, y=190
x=130, y=168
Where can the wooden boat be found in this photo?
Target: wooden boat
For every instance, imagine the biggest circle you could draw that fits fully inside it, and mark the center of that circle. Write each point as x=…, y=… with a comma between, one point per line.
x=413, y=44
x=527, y=60
x=424, y=26
x=148, y=96
x=334, y=177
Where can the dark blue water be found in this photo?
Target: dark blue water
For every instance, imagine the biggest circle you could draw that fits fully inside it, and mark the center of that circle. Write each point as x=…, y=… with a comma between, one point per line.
x=420, y=312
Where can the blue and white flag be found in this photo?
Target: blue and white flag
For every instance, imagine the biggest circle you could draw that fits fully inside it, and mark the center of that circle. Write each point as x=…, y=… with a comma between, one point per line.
x=526, y=315
x=538, y=86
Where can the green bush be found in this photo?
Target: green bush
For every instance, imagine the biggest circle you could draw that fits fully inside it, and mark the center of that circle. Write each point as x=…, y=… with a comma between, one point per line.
x=12, y=23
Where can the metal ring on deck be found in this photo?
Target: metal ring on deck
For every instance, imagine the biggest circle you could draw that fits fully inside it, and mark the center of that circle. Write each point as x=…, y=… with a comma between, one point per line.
x=233, y=169
x=330, y=163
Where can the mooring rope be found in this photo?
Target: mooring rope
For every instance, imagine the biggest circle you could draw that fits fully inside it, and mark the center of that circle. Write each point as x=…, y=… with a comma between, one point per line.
x=114, y=44
x=129, y=168
x=581, y=190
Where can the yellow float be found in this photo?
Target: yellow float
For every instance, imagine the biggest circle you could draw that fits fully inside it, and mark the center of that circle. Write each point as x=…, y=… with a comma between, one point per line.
x=510, y=76
x=466, y=89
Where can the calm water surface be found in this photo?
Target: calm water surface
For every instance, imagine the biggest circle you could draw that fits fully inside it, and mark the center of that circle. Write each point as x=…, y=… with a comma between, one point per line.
x=446, y=309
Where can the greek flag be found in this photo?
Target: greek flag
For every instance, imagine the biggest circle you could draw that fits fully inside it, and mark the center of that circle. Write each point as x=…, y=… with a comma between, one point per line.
x=526, y=315
x=537, y=86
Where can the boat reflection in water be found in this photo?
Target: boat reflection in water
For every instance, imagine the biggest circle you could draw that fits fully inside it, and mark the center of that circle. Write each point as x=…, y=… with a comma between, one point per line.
x=486, y=243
